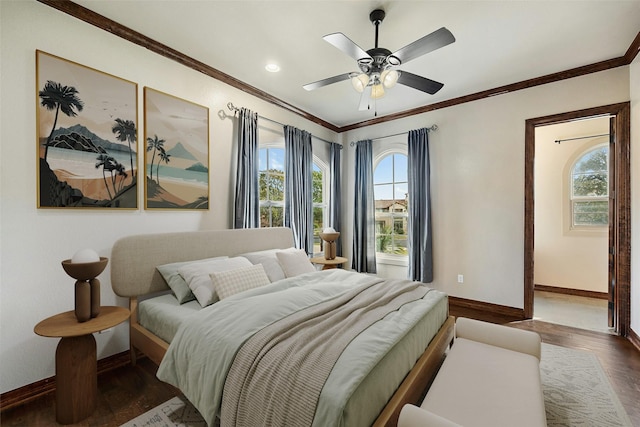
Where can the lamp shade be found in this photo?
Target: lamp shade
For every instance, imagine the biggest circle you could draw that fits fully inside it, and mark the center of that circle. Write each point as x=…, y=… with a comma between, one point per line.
x=389, y=78
x=377, y=91
x=359, y=82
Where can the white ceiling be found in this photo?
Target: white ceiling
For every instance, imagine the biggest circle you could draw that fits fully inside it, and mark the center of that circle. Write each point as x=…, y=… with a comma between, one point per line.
x=497, y=42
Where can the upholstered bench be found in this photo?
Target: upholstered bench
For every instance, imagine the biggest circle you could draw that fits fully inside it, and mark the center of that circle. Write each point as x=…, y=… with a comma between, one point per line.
x=490, y=377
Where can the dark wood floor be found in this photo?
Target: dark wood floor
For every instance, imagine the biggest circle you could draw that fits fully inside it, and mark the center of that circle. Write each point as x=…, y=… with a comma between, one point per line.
x=123, y=394
x=127, y=392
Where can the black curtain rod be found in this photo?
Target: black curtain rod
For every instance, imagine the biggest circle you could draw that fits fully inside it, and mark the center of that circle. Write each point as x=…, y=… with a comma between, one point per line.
x=432, y=128
x=558, y=141
x=235, y=109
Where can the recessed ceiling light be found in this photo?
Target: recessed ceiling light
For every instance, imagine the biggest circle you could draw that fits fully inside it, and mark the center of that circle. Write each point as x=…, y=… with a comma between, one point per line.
x=272, y=68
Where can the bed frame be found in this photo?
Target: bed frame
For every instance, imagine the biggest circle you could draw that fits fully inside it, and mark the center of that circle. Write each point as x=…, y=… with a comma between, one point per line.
x=134, y=275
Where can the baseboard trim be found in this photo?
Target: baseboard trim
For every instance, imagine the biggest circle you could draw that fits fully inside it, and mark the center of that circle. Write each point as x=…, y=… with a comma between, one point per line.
x=576, y=292
x=634, y=338
x=502, y=310
x=30, y=392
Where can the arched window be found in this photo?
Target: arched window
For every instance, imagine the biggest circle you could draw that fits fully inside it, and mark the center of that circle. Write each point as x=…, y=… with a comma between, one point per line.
x=391, y=189
x=590, y=188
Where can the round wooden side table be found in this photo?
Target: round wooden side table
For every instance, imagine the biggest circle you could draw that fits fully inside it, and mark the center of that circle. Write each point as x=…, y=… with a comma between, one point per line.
x=328, y=263
x=76, y=364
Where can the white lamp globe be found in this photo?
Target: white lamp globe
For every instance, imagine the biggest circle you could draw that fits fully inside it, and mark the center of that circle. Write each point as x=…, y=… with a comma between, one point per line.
x=84, y=256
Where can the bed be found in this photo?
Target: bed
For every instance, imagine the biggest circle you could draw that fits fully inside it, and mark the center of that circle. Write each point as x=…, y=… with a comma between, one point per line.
x=376, y=397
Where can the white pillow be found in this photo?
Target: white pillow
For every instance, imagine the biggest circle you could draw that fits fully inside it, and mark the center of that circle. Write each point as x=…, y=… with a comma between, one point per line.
x=176, y=282
x=232, y=282
x=294, y=262
x=269, y=261
x=197, y=276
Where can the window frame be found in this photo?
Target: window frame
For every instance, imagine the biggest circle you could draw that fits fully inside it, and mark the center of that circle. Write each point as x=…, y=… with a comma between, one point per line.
x=573, y=200
x=383, y=257
x=270, y=203
x=324, y=205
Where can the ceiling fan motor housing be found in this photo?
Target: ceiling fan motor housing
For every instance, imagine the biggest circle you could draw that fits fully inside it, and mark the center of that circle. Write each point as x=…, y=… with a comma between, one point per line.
x=377, y=16
x=379, y=55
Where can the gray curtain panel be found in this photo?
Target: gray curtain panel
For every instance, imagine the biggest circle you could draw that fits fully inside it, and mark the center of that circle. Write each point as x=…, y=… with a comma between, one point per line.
x=419, y=211
x=335, y=188
x=364, y=236
x=298, y=185
x=247, y=203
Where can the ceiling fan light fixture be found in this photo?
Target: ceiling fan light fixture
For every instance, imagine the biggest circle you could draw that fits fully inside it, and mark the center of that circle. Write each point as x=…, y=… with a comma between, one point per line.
x=377, y=91
x=359, y=82
x=389, y=78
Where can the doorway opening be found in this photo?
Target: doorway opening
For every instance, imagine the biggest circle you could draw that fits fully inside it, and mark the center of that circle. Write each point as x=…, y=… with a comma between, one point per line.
x=614, y=253
x=571, y=223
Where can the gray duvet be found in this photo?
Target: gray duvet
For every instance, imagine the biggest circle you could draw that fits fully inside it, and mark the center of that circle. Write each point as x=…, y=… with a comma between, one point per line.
x=365, y=375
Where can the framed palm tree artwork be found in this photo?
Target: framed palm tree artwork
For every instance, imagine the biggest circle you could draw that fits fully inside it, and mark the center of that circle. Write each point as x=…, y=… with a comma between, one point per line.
x=176, y=158
x=87, y=136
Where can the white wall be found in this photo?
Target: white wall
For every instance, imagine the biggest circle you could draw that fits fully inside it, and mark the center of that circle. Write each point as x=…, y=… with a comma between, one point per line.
x=477, y=169
x=33, y=241
x=635, y=194
x=565, y=257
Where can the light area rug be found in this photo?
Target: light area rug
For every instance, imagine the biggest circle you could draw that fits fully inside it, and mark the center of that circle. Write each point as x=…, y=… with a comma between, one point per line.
x=576, y=392
x=176, y=412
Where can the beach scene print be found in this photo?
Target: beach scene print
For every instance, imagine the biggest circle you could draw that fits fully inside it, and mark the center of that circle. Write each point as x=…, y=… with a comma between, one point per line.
x=87, y=137
x=176, y=153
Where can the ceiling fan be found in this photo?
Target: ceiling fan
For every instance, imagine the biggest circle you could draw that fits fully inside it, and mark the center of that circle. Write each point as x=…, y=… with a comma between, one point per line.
x=379, y=66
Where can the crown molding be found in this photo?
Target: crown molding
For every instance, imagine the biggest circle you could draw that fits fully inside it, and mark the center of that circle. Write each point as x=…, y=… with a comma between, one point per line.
x=106, y=24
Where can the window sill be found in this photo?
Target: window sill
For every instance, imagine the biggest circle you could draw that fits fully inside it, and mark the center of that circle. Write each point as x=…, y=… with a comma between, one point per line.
x=587, y=231
x=402, y=261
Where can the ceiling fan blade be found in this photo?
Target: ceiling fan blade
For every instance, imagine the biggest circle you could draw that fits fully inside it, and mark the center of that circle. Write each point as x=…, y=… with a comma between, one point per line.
x=426, y=44
x=326, y=82
x=421, y=83
x=346, y=45
x=365, y=98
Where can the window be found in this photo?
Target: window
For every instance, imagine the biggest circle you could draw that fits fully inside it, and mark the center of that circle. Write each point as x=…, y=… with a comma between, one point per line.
x=319, y=203
x=391, y=189
x=590, y=189
x=271, y=181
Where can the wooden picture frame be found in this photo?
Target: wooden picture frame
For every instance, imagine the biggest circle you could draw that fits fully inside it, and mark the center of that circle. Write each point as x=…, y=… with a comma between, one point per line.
x=87, y=136
x=176, y=158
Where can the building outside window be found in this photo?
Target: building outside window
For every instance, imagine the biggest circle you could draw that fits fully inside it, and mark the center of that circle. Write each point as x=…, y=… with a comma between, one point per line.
x=590, y=189
x=391, y=202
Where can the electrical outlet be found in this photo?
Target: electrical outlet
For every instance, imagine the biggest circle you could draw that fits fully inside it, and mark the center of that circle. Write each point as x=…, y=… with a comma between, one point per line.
x=460, y=278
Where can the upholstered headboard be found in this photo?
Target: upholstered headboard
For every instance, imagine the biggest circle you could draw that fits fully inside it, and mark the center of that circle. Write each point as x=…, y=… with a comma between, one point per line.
x=134, y=258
